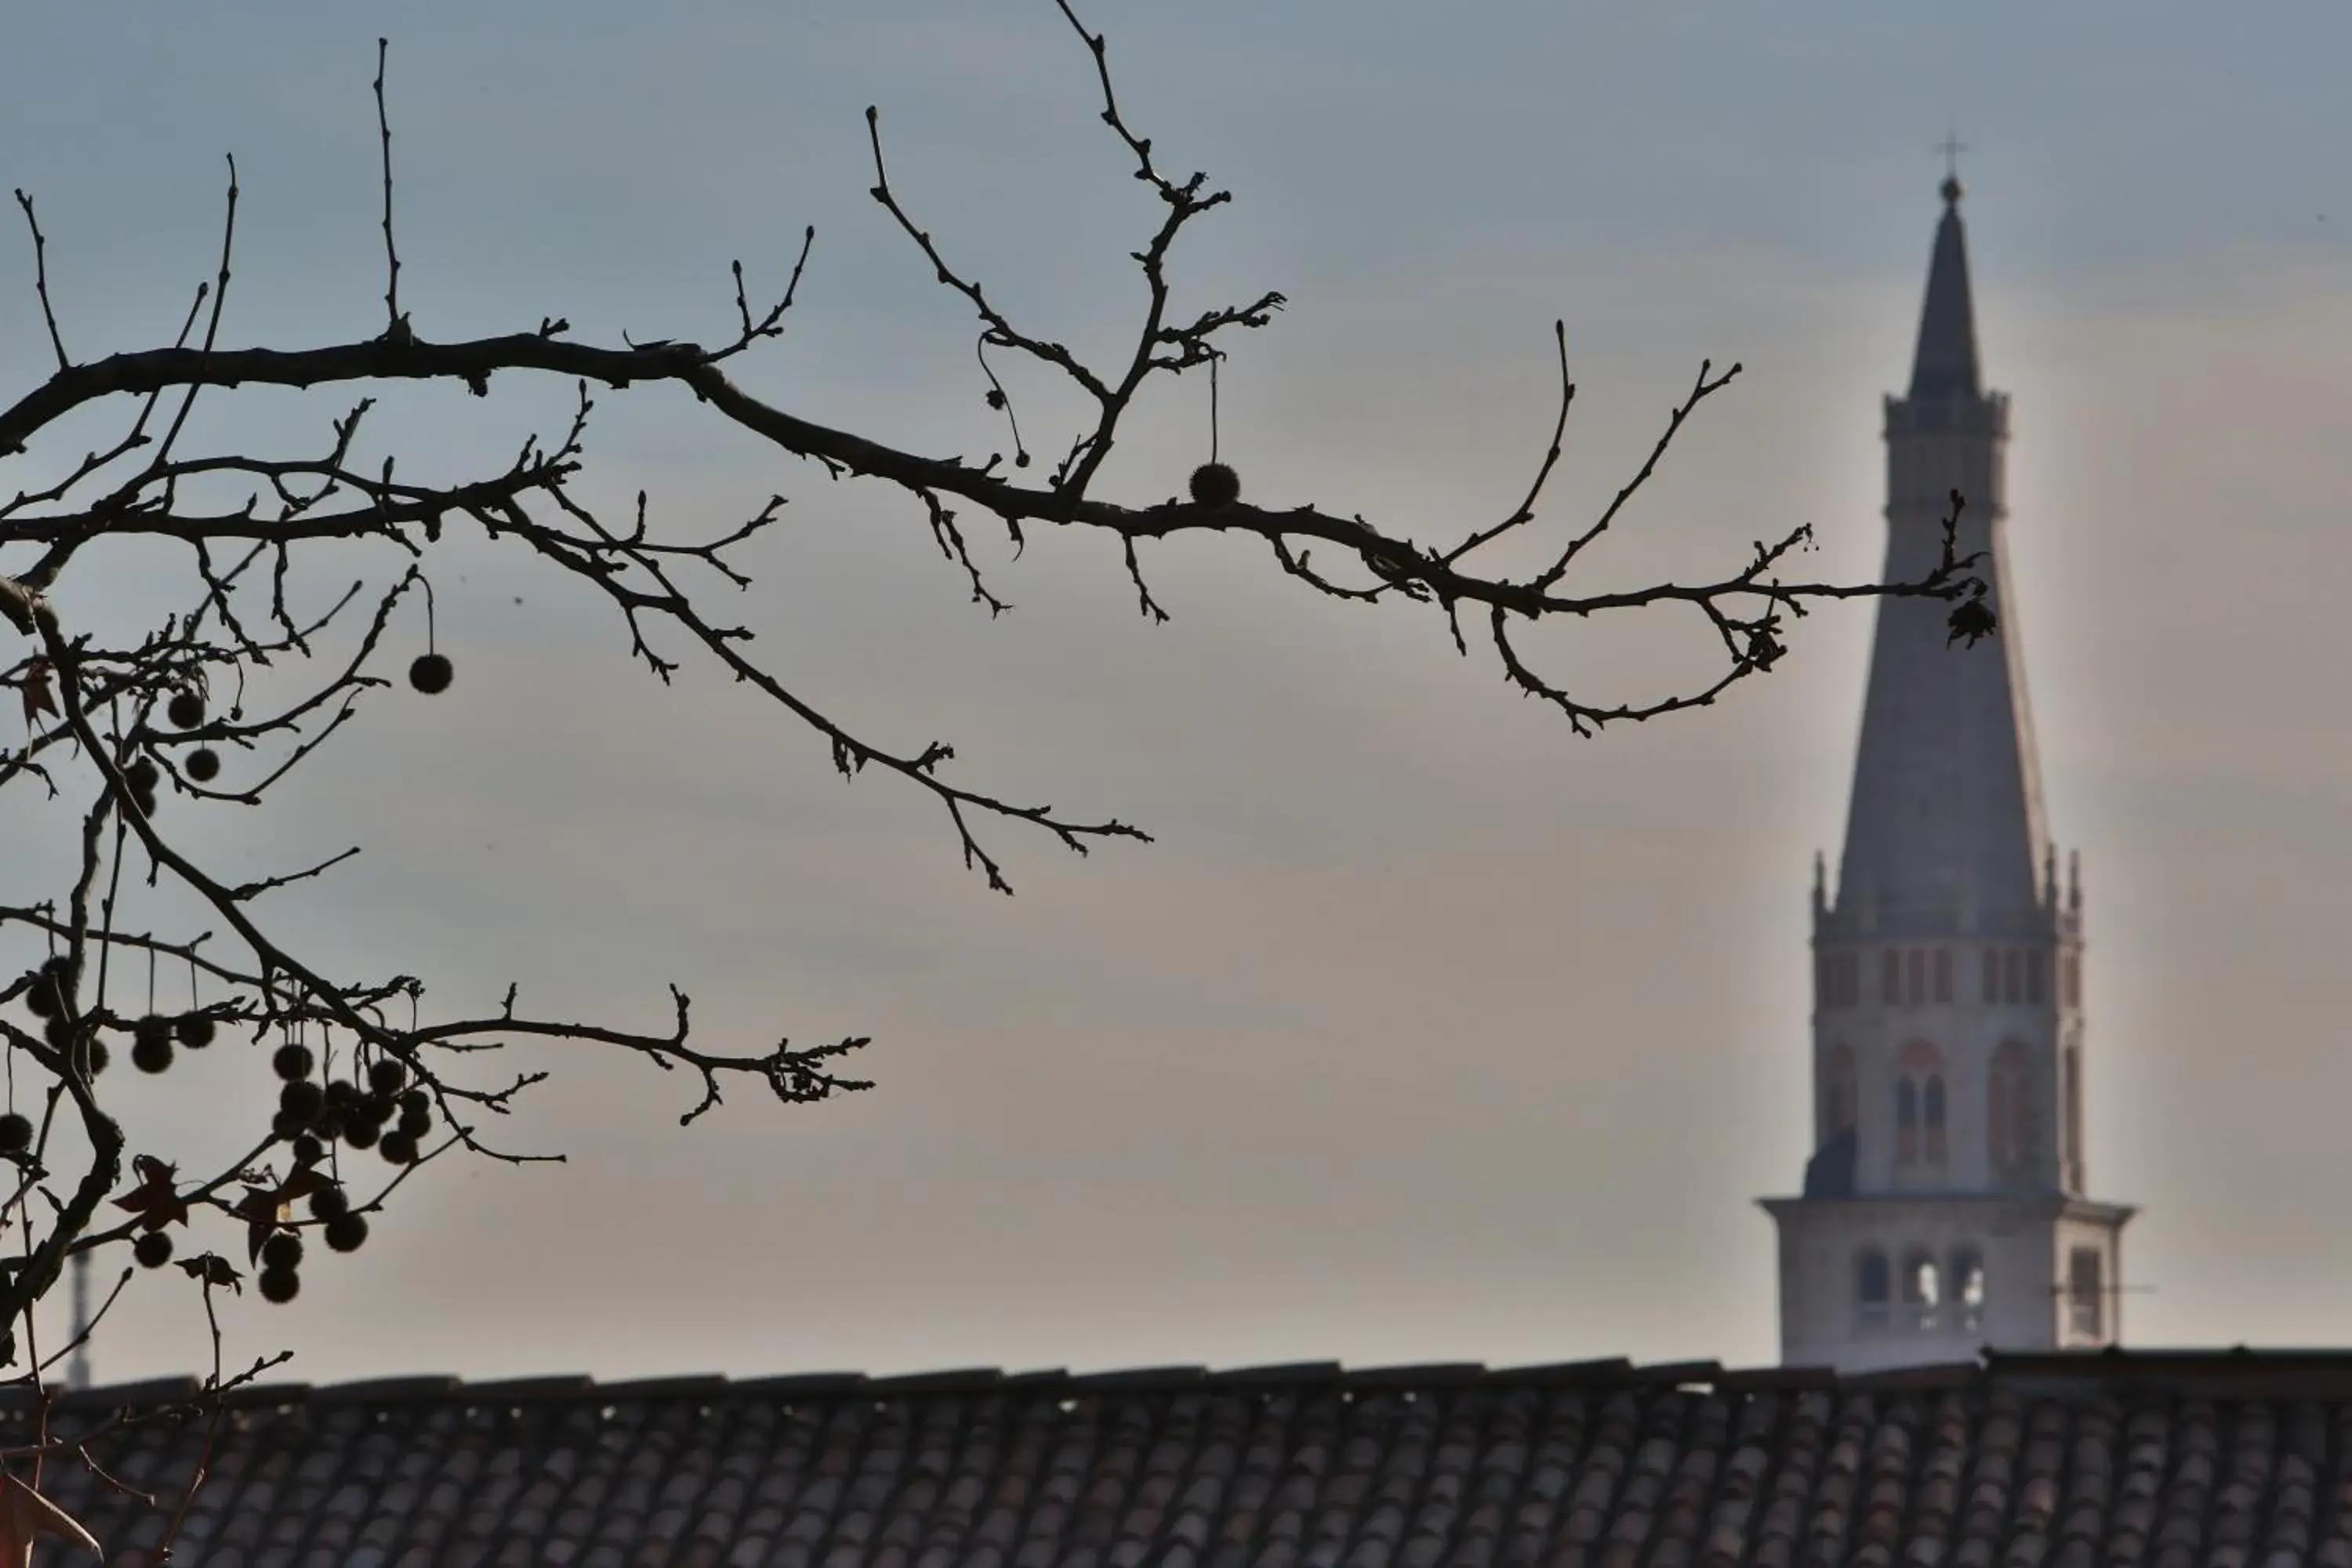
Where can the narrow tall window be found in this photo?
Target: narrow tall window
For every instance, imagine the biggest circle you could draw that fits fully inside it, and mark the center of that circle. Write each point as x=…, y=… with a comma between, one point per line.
x=2009, y=1113
x=1993, y=974
x=1837, y=1092
x=1942, y=974
x=1968, y=1288
x=2074, y=1113
x=2012, y=967
x=1890, y=977
x=1918, y=976
x=1919, y=1108
x=2037, y=977
x=2086, y=1293
x=1873, y=1287
x=2072, y=983
x=1923, y=1290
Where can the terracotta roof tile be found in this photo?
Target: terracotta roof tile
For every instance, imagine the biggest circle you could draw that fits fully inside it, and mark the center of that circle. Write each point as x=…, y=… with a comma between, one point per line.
x=2042, y=1462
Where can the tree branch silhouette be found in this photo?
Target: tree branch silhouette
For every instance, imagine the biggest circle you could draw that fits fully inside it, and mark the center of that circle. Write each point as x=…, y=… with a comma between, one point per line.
x=180, y=710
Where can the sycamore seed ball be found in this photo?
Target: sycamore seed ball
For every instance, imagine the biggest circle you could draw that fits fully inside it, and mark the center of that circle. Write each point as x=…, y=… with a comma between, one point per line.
x=279, y=1286
x=431, y=673
x=15, y=1133
x=204, y=764
x=1215, y=484
x=153, y=1250
x=186, y=710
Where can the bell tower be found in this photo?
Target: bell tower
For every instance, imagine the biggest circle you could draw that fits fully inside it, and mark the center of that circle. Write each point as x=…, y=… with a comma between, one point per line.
x=1944, y=1207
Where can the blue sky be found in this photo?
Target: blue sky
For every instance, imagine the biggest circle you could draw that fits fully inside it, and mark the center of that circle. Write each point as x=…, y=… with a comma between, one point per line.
x=1426, y=1031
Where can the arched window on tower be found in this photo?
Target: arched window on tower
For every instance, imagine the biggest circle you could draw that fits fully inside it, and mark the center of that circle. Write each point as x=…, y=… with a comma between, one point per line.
x=1923, y=1290
x=1838, y=1099
x=1919, y=1106
x=1873, y=1287
x=1967, y=1287
x=2009, y=1113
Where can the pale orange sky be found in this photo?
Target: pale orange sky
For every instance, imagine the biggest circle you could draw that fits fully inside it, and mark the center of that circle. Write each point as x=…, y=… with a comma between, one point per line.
x=1425, y=1031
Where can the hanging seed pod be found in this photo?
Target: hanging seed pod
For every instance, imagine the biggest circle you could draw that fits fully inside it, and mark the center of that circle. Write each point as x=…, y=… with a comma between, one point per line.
x=331, y=1204
x=431, y=673
x=194, y=1030
x=292, y=1061
x=386, y=1077
x=302, y=1100
x=279, y=1286
x=153, y=1250
x=15, y=1133
x=1216, y=485
x=186, y=710
x=347, y=1232
x=398, y=1148
x=202, y=764
x=152, y=1052
x=282, y=1250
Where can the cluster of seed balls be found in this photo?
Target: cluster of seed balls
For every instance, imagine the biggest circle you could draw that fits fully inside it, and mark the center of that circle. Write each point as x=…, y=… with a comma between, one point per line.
x=151, y=1038
x=310, y=1115
x=342, y=1109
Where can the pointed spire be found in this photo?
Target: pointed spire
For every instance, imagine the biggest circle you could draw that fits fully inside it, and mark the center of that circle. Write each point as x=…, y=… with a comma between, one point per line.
x=1946, y=825
x=1945, y=363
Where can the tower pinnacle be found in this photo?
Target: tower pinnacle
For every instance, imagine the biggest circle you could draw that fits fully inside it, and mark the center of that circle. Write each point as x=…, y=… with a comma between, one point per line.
x=1947, y=806
x=1945, y=363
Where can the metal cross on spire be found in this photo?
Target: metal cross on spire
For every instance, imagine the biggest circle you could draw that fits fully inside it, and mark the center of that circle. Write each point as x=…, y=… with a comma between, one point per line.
x=1951, y=147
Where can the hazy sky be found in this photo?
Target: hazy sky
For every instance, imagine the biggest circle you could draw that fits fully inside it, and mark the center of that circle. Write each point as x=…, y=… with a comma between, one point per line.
x=1425, y=1030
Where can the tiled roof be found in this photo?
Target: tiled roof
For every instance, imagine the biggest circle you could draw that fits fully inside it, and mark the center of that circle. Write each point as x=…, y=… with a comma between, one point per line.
x=2068, y=1460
